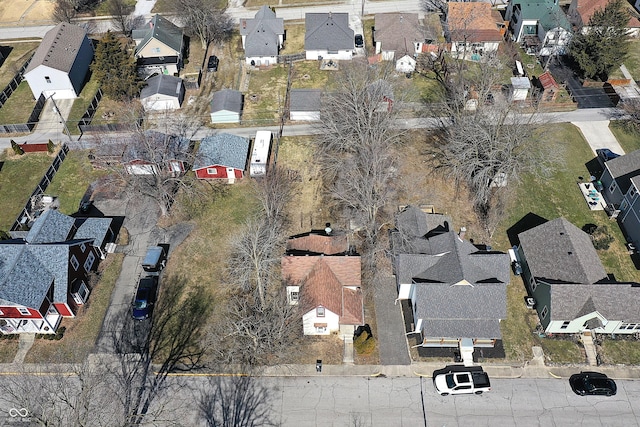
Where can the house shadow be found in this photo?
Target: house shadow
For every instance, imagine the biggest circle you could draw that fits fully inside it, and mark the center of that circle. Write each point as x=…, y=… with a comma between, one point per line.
x=4, y=53
x=527, y=222
x=595, y=169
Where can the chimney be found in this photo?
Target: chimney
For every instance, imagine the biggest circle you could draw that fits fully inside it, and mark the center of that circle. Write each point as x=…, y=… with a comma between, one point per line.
x=463, y=231
x=327, y=229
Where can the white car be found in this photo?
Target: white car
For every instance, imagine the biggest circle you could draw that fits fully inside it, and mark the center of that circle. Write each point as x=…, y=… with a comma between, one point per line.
x=462, y=382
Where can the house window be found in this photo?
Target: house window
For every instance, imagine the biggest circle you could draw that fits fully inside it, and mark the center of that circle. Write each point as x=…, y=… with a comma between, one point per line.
x=83, y=247
x=80, y=297
x=632, y=192
x=565, y=324
x=156, y=50
x=89, y=262
x=74, y=262
x=612, y=187
x=1, y=313
x=321, y=329
x=320, y=311
x=212, y=171
x=47, y=79
x=24, y=311
x=544, y=312
x=295, y=297
x=534, y=284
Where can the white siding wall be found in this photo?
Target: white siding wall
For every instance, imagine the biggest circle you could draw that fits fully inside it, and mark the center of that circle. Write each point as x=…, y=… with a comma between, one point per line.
x=340, y=55
x=310, y=318
x=60, y=83
x=262, y=60
x=304, y=116
x=160, y=102
x=225, y=116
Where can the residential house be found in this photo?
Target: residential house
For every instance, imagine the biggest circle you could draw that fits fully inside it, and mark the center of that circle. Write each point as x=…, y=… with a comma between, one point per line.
x=159, y=47
x=572, y=292
x=539, y=25
x=399, y=37
x=474, y=29
x=44, y=272
x=328, y=36
x=262, y=37
x=453, y=291
x=153, y=152
x=548, y=87
x=322, y=276
x=226, y=106
x=222, y=156
x=621, y=183
x=162, y=93
x=60, y=64
x=581, y=11
x=305, y=105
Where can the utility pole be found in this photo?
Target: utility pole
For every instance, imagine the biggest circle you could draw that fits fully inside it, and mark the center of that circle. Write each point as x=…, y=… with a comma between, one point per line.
x=62, y=119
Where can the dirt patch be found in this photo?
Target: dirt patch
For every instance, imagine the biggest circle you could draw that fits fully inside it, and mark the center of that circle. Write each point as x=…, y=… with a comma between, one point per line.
x=30, y=10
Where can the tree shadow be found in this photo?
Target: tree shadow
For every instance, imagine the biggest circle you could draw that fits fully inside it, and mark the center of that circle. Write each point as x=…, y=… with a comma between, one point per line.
x=527, y=222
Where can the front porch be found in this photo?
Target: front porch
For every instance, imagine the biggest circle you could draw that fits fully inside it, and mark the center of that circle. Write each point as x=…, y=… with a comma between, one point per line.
x=48, y=325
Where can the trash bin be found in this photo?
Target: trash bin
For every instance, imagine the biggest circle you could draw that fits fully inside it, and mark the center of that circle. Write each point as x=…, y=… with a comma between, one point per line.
x=318, y=365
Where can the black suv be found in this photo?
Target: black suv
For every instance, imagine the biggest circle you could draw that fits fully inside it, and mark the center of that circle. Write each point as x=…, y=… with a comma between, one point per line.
x=145, y=298
x=212, y=63
x=359, y=40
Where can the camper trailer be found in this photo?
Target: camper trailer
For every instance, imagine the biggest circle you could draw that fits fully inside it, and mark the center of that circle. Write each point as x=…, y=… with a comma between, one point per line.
x=260, y=153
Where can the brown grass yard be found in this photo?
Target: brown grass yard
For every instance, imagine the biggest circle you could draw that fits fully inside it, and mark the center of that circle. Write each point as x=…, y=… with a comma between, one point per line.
x=15, y=56
x=265, y=97
x=620, y=351
x=8, y=348
x=30, y=10
x=628, y=139
x=294, y=38
x=19, y=106
x=82, y=331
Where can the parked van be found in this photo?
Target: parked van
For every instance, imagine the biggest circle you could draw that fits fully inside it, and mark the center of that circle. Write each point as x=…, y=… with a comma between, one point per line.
x=260, y=153
x=155, y=260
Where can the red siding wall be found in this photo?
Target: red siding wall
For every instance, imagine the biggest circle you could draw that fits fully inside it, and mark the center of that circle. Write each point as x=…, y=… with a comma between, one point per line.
x=34, y=148
x=221, y=173
x=63, y=309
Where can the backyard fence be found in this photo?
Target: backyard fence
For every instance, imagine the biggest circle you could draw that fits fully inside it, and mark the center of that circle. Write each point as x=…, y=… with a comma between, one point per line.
x=14, y=83
x=27, y=211
x=33, y=119
x=87, y=117
x=283, y=59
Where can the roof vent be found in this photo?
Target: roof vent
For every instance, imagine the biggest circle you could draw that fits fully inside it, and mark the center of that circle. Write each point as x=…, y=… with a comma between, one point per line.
x=327, y=228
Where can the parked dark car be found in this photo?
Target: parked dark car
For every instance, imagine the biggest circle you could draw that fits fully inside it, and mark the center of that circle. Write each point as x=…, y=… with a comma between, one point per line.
x=605, y=154
x=155, y=259
x=359, y=40
x=145, y=298
x=212, y=63
x=592, y=383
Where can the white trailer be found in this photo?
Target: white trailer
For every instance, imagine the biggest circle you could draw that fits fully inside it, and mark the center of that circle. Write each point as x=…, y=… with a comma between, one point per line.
x=260, y=153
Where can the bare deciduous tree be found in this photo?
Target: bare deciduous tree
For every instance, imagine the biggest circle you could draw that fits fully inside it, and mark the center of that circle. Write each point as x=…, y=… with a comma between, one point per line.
x=631, y=108
x=239, y=401
x=64, y=10
x=205, y=19
x=121, y=11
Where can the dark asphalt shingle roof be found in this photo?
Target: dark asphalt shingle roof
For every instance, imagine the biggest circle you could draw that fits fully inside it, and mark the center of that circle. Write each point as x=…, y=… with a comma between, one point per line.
x=95, y=229
x=623, y=168
x=227, y=100
x=262, y=33
x=163, y=84
x=24, y=279
x=169, y=147
x=328, y=31
x=305, y=100
x=222, y=149
x=615, y=301
x=162, y=30
x=558, y=251
x=59, y=47
x=50, y=227
x=398, y=31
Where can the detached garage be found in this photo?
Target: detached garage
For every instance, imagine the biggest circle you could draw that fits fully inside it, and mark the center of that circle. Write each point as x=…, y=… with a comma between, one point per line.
x=162, y=92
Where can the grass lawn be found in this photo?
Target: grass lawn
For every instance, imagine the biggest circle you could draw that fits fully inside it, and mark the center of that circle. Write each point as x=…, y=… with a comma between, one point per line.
x=103, y=7
x=8, y=348
x=72, y=179
x=82, y=331
x=18, y=178
x=620, y=351
x=632, y=63
x=265, y=96
x=81, y=104
x=294, y=41
x=194, y=62
x=15, y=55
x=19, y=106
x=307, y=74
x=629, y=140
x=110, y=111
x=550, y=198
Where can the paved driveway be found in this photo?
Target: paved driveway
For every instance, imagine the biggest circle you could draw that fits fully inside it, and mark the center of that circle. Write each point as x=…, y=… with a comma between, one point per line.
x=392, y=343
x=586, y=97
x=598, y=135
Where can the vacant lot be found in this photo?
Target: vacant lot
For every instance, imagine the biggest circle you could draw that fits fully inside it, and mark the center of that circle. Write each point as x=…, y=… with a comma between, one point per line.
x=29, y=10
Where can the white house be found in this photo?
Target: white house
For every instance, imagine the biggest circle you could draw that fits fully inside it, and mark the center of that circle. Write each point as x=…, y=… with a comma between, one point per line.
x=304, y=105
x=162, y=92
x=328, y=36
x=262, y=37
x=226, y=106
x=61, y=62
x=159, y=47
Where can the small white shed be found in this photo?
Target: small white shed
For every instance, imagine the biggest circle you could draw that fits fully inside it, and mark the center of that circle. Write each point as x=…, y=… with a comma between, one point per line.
x=520, y=88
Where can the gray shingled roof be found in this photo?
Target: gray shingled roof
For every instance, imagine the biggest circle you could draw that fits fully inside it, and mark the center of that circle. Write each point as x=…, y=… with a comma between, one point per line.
x=615, y=301
x=623, y=168
x=461, y=328
x=24, y=280
x=59, y=47
x=398, y=31
x=170, y=147
x=55, y=259
x=227, y=100
x=412, y=227
x=95, y=229
x=328, y=31
x=222, y=149
x=50, y=227
x=162, y=84
x=162, y=30
x=305, y=99
x=558, y=251
x=262, y=33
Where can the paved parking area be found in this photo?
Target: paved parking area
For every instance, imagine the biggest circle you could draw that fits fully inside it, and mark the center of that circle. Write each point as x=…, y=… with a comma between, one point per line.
x=598, y=135
x=392, y=343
